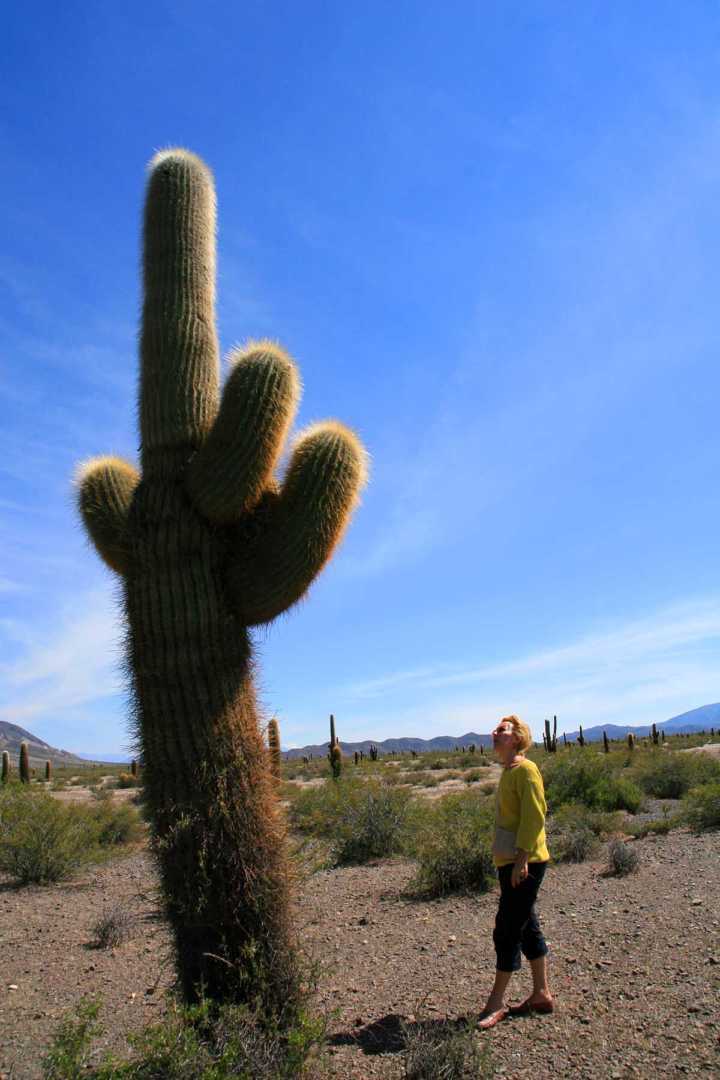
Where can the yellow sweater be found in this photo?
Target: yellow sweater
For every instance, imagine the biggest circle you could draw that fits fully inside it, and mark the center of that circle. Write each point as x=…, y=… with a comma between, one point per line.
x=520, y=808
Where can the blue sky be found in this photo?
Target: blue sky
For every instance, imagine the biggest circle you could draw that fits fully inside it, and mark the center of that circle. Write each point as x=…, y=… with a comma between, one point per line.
x=489, y=234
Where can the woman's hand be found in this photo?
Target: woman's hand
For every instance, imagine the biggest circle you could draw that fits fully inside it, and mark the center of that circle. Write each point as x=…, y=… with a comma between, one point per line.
x=520, y=869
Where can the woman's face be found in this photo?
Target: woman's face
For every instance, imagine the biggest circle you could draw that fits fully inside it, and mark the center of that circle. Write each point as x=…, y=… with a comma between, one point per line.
x=503, y=737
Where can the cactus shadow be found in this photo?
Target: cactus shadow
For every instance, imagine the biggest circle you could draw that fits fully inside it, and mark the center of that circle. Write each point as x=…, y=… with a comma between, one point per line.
x=391, y=1034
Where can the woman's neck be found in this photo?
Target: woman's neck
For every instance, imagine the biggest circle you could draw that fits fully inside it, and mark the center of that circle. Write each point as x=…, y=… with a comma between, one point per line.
x=513, y=757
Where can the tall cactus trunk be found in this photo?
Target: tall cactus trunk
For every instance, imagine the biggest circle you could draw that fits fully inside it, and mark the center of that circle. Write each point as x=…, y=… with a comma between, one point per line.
x=5, y=776
x=24, y=764
x=215, y=819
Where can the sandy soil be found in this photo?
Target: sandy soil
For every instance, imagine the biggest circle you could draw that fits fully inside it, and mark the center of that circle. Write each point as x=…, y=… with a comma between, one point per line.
x=635, y=964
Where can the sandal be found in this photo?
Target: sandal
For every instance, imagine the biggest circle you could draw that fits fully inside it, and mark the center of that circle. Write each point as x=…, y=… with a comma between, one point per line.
x=490, y=1019
x=527, y=1007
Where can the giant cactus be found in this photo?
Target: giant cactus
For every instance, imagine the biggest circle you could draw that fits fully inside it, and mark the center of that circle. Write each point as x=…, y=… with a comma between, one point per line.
x=209, y=543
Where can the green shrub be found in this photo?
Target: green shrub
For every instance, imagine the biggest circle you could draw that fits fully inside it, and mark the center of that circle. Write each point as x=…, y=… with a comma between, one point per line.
x=127, y=780
x=372, y=824
x=114, y=823
x=225, y=1043
x=44, y=840
x=573, y=833
x=68, y=1056
x=701, y=807
x=41, y=840
x=451, y=841
x=473, y=775
x=669, y=775
x=590, y=779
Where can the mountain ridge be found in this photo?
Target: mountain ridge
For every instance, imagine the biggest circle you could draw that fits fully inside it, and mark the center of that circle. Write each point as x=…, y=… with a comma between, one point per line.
x=695, y=720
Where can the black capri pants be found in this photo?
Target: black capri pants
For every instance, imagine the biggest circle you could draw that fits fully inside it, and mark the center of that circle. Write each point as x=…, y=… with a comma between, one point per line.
x=516, y=923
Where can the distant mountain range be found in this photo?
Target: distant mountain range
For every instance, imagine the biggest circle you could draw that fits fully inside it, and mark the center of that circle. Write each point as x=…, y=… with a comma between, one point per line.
x=701, y=719
x=39, y=752
x=688, y=723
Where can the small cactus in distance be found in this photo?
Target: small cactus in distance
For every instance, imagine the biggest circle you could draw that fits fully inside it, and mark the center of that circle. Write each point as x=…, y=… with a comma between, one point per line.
x=373, y=752
x=210, y=542
x=356, y=757
x=631, y=741
x=134, y=768
x=48, y=771
x=655, y=735
x=274, y=748
x=5, y=767
x=581, y=737
x=551, y=740
x=606, y=744
x=334, y=752
x=24, y=764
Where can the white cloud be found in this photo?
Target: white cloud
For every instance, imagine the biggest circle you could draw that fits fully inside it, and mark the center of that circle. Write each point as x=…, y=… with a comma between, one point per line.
x=75, y=663
x=634, y=672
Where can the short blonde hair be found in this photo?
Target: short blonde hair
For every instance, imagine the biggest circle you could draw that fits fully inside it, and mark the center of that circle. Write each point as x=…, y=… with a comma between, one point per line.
x=521, y=732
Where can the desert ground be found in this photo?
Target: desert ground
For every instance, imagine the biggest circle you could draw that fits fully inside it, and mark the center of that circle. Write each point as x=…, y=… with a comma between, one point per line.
x=635, y=963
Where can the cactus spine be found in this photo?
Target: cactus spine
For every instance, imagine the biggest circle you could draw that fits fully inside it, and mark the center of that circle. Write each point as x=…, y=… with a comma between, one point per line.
x=274, y=748
x=24, y=764
x=5, y=767
x=209, y=542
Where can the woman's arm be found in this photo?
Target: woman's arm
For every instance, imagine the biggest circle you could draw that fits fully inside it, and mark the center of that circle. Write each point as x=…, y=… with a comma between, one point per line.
x=532, y=821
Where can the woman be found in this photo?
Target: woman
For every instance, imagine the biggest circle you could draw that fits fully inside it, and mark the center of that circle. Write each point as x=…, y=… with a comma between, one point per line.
x=521, y=857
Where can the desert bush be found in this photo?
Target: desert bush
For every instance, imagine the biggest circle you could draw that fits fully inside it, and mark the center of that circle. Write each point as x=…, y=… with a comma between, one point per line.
x=622, y=858
x=444, y=1052
x=669, y=775
x=451, y=841
x=114, y=823
x=41, y=840
x=701, y=807
x=127, y=780
x=112, y=928
x=590, y=779
x=372, y=824
x=197, y=1043
x=473, y=775
x=573, y=832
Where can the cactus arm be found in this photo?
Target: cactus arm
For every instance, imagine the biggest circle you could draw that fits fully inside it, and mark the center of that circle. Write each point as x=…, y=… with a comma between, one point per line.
x=105, y=488
x=178, y=342
x=283, y=546
x=235, y=466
